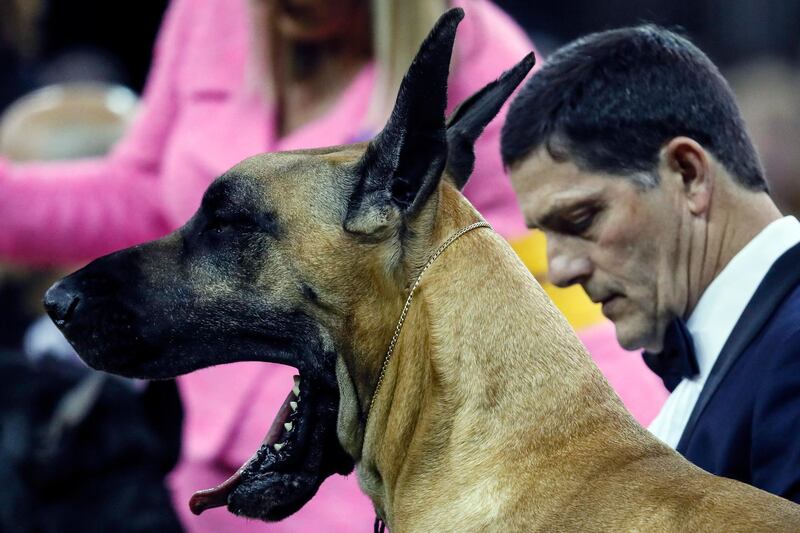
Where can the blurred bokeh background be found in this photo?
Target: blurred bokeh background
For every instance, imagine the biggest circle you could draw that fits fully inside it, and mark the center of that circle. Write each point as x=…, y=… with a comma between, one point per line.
x=70, y=75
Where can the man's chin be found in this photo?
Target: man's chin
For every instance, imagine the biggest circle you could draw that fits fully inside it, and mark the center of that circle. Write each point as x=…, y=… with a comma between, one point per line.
x=632, y=336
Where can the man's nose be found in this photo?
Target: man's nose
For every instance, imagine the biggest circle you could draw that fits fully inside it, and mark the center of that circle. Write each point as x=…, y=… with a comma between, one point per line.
x=565, y=268
x=61, y=300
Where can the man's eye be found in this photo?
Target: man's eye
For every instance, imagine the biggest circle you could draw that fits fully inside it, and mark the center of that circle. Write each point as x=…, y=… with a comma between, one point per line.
x=581, y=221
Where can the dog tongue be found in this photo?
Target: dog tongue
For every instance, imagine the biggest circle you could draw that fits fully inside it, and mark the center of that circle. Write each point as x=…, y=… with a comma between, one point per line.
x=204, y=500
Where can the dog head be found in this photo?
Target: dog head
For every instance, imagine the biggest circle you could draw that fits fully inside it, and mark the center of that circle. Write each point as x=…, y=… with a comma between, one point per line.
x=300, y=258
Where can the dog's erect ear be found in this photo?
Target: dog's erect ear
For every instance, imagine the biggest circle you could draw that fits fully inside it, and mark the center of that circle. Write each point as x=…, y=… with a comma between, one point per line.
x=403, y=164
x=468, y=120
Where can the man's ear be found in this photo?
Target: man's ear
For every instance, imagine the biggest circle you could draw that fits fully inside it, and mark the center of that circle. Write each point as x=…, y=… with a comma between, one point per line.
x=469, y=119
x=691, y=165
x=403, y=165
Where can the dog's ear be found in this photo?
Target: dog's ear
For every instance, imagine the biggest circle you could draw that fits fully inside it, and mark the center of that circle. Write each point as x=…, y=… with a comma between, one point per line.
x=404, y=163
x=466, y=123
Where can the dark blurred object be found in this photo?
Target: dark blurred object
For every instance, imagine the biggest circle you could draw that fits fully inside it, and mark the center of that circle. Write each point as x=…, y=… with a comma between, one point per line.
x=82, y=451
x=727, y=30
x=768, y=92
x=20, y=303
x=121, y=33
x=52, y=41
x=19, y=21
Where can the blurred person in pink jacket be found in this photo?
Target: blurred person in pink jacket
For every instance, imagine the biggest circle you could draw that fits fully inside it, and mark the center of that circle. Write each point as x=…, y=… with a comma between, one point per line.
x=232, y=78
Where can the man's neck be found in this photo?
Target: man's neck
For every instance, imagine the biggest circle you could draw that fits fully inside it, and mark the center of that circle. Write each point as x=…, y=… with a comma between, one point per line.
x=736, y=220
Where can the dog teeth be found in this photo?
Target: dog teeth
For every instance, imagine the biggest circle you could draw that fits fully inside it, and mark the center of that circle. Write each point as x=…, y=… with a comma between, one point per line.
x=279, y=446
x=288, y=426
x=293, y=405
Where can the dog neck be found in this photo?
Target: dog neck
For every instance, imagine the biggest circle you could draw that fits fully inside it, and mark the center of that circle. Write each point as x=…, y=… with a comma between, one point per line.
x=484, y=376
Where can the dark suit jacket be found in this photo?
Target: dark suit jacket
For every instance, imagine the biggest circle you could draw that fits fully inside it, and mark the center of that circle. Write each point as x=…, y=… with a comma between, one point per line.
x=746, y=423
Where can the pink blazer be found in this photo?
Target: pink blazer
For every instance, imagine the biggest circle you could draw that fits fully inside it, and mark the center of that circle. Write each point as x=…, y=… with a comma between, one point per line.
x=198, y=119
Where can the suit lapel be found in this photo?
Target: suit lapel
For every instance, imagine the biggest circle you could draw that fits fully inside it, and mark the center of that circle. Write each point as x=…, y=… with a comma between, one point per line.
x=782, y=277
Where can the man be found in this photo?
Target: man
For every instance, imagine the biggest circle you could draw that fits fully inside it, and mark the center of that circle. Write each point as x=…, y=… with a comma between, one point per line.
x=627, y=149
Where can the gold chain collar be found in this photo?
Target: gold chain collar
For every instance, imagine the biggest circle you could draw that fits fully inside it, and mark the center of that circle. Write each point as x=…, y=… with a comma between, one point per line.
x=403, y=314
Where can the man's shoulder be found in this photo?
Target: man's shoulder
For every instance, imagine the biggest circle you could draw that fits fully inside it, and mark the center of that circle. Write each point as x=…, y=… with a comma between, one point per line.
x=773, y=349
x=766, y=367
x=784, y=324
x=775, y=306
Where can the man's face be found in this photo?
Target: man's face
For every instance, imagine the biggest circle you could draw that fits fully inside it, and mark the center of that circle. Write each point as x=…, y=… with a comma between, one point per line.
x=619, y=241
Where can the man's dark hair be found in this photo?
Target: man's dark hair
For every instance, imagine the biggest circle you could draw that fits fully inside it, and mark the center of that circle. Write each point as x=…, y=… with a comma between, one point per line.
x=609, y=102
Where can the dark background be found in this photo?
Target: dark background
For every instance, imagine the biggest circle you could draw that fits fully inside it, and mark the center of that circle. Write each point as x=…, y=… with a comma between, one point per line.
x=118, y=36
x=729, y=31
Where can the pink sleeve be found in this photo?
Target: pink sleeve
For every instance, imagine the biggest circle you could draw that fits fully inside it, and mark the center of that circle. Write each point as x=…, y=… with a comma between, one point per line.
x=60, y=212
x=491, y=42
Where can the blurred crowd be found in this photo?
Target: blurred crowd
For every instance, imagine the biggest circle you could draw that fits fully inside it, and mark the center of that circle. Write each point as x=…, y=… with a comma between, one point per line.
x=71, y=78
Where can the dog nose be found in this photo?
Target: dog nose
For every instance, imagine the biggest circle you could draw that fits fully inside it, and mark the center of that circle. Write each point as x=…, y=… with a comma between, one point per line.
x=61, y=301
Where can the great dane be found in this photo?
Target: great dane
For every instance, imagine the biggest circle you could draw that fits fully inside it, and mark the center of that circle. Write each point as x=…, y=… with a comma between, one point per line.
x=471, y=407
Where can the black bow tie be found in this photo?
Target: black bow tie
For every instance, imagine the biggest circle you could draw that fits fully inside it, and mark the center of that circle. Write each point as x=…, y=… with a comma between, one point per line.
x=677, y=360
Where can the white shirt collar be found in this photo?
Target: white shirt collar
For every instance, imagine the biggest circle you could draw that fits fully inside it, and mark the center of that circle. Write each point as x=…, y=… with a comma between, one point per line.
x=724, y=300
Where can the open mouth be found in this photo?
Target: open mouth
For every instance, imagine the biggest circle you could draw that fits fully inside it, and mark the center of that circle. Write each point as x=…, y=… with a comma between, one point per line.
x=299, y=451
x=121, y=328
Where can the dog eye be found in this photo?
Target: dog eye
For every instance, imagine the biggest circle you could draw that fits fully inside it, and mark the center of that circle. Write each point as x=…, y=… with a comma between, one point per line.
x=222, y=225
x=218, y=226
